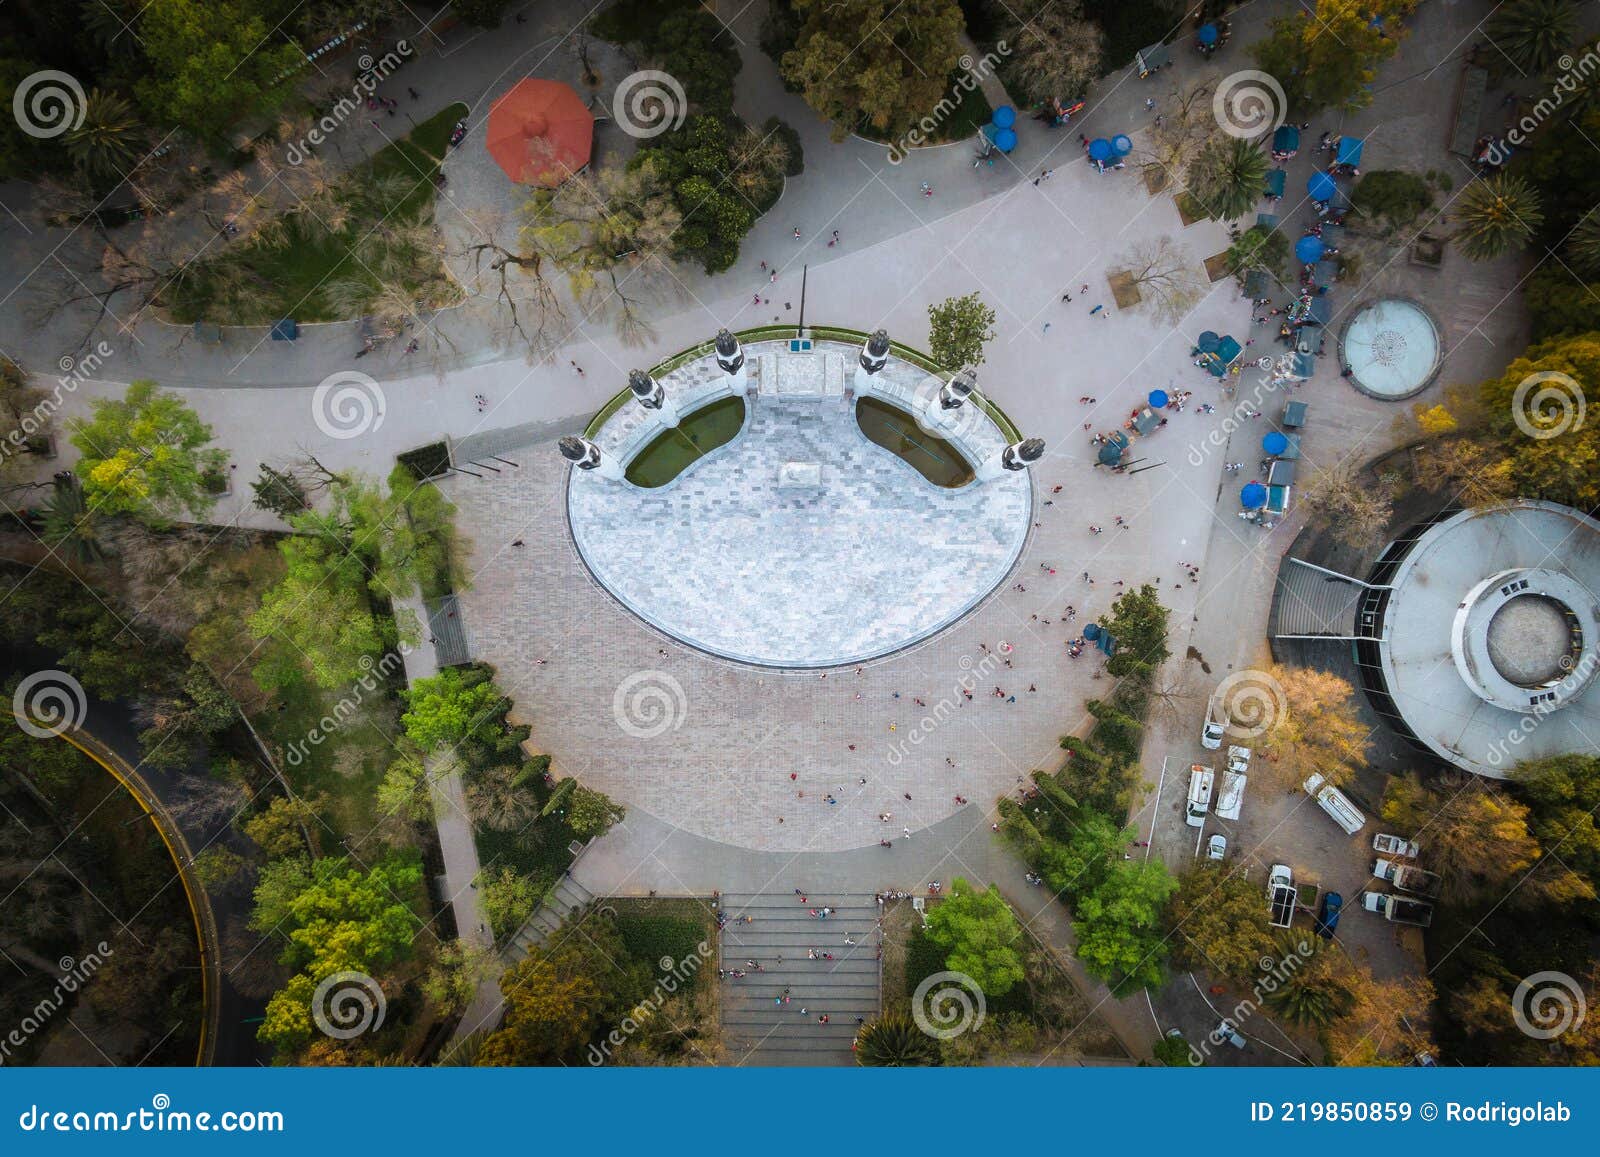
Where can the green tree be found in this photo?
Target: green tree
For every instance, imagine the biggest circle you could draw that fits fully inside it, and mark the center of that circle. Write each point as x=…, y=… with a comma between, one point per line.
x=1562, y=463
x=1391, y=197
x=1218, y=922
x=592, y=813
x=875, y=63
x=1118, y=926
x=1532, y=34
x=895, y=1042
x=279, y=492
x=958, y=328
x=70, y=526
x=1498, y=215
x=279, y=882
x=1173, y=1051
x=278, y=829
x=561, y=996
x=1259, y=248
x=1138, y=622
x=342, y=918
x=1583, y=245
x=444, y=710
x=508, y=899
x=1563, y=795
x=979, y=934
x=146, y=455
x=217, y=866
x=210, y=63
x=1329, y=58
x=452, y=979
x=1227, y=177
x=404, y=791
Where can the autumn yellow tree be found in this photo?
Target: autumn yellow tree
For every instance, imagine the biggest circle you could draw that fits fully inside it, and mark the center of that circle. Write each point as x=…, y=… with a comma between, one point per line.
x=1387, y=1023
x=1476, y=837
x=1538, y=409
x=1312, y=727
x=1355, y=510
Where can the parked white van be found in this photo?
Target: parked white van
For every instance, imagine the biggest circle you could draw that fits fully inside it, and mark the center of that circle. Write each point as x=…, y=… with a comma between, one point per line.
x=1331, y=800
x=1201, y=779
x=1230, y=798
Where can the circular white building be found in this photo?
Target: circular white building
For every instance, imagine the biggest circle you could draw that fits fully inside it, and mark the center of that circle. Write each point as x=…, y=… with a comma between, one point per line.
x=1478, y=635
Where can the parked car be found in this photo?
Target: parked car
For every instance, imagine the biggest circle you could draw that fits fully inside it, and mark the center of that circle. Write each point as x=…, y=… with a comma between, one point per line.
x=1408, y=878
x=1331, y=800
x=1230, y=798
x=1211, y=735
x=1281, y=896
x=1225, y=1033
x=1238, y=758
x=1328, y=914
x=1398, y=909
x=1199, y=801
x=1395, y=846
x=1217, y=847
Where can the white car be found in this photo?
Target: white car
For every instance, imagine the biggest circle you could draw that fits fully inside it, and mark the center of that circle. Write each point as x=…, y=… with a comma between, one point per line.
x=1211, y=735
x=1230, y=798
x=1387, y=845
x=1238, y=758
x=1199, y=800
x=1217, y=847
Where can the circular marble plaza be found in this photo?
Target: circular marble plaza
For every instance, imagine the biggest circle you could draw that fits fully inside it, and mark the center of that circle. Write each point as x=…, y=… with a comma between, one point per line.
x=1392, y=349
x=800, y=543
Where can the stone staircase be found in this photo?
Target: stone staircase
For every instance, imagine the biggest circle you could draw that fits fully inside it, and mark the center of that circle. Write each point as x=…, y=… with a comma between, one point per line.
x=551, y=913
x=757, y=1028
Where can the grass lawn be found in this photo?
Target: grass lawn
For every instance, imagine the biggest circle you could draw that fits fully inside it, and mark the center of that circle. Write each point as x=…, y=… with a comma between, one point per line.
x=655, y=930
x=347, y=767
x=672, y=452
x=291, y=279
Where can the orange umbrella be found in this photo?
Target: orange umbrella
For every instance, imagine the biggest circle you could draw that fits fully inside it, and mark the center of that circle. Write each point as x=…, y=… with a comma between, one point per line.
x=540, y=133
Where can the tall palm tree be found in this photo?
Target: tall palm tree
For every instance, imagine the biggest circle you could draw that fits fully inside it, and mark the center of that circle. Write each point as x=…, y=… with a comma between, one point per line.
x=1498, y=215
x=110, y=138
x=1533, y=33
x=499, y=802
x=1312, y=997
x=1583, y=245
x=1228, y=177
x=894, y=1042
x=69, y=523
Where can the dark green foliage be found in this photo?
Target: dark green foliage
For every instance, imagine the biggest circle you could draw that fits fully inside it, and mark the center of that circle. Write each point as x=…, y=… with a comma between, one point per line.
x=681, y=39
x=1392, y=195
x=896, y=1042
x=480, y=13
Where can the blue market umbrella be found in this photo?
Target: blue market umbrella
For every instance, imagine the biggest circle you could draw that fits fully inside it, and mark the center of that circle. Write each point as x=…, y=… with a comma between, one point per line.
x=1004, y=117
x=1321, y=187
x=1099, y=149
x=1158, y=399
x=1207, y=34
x=1109, y=455
x=1275, y=443
x=1208, y=341
x=1253, y=496
x=1349, y=151
x=1005, y=140
x=1091, y=631
x=1309, y=249
x=1121, y=145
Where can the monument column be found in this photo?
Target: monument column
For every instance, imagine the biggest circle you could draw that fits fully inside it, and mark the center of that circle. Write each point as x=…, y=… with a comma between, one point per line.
x=874, y=356
x=1015, y=457
x=652, y=396
x=585, y=455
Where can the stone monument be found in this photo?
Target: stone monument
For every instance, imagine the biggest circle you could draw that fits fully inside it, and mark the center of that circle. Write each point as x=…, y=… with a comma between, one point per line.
x=874, y=356
x=585, y=455
x=1015, y=457
x=651, y=396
